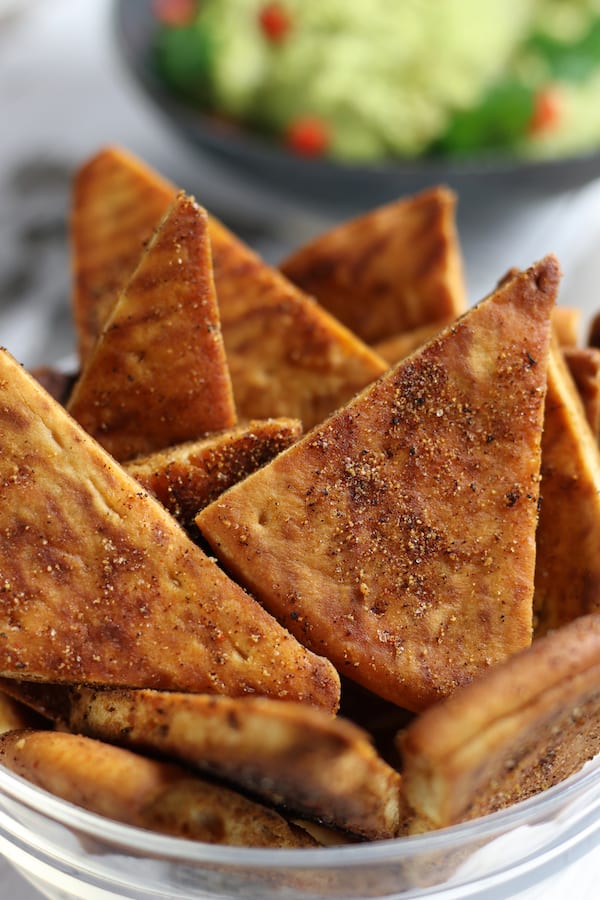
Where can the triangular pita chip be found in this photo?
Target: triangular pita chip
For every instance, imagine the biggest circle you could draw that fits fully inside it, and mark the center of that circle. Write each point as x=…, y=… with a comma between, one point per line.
x=157, y=374
x=398, y=538
x=117, y=203
x=287, y=355
x=394, y=269
x=289, y=755
x=567, y=576
x=519, y=729
x=401, y=345
x=100, y=584
x=144, y=792
x=188, y=477
x=584, y=365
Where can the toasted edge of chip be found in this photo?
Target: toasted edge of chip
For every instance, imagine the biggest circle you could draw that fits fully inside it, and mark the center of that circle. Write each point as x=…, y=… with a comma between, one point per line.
x=157, y=374
x=117, y=203
x=381, y=537
x=522, y=727
x=188, y=477
x=567, y=574
x=146, y=793
x=393, y=269
x=395, y=348
x=584, y=366
x=100, y=584
x=566, y=321
x=287, y=355
x=291, y=755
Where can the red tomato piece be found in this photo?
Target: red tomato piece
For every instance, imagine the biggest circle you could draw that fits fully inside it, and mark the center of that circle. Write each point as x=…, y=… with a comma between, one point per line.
x=547, y=110
x=275, y=21
x=308, y=136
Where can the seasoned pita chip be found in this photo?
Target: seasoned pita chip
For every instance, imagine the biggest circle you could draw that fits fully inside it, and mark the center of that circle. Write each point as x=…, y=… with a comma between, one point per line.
x=144, y=792
x=157, y=375
x=100, y=584
x=188, y=477
x=594, y=331
x=382, y=539
x=399, y=346
x=394, y=269
x=567, y=574
x=584, y=365
x=519, y=729
x=566, y=321
x=287, y=356
x=288, y=754
x=117, y=203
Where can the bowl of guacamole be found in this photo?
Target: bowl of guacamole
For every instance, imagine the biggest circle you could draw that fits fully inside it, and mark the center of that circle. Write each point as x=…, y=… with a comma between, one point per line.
x=349, y=91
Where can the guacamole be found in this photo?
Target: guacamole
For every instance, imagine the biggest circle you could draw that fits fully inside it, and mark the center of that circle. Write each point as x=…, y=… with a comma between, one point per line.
x=365, y=82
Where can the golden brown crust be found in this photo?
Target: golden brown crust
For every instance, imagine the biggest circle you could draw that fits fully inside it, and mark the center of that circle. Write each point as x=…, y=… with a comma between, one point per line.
x=157, y=374
x=117, y=203
x=288, y=754
x=143, y=792
x=287, y=356
x=100, y=584
x=520, y=728
x=399, y=346
x=188, y=477
x=567, y=574
x=381, y=539
x=566, y=321
x=394, y=269
x=584, y=365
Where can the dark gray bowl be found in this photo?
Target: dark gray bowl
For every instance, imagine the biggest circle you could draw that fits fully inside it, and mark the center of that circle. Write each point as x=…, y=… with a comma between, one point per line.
x=323, y=183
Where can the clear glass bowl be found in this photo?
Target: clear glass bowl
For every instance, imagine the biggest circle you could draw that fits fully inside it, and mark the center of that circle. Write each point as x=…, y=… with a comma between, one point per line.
x=541, y=848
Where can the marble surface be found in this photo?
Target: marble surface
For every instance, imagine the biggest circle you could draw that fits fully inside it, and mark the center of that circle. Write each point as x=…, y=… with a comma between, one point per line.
x=64, y=93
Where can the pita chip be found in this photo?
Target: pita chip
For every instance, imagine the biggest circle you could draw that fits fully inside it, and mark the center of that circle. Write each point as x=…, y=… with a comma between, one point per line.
x=157, y=374
x=567, y=574
x=144, y=792
x=397, y=268
x=98, y=583
x=519, y=729
x=287, y=356
x=584, y=365
x=117, y=203
x=399, y=346
x=398, y=538
x=188, y=477
x=288, y=754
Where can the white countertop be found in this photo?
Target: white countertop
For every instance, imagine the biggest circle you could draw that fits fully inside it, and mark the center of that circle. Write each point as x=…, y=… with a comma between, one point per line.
x=63, y=94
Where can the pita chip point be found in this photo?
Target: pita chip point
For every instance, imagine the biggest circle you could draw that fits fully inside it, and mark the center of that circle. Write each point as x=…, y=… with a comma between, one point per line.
x=117, y=203
x=98, y=583
x=287, y=356
x=381, y=539
x=144, y=792
x=394, y=269
x=519, y=729
x=157, y=374
x=567, y=573
x=189, y=476
x=290, y=755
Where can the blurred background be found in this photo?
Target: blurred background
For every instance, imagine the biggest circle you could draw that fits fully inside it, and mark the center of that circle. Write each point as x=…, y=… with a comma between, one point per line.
x=73, y=77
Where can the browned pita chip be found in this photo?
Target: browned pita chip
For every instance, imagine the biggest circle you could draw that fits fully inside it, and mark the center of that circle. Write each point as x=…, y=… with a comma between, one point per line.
x=157, y=374
x=143, y=792
x=58, y=384
x=584, y=366
x=100, y=584
x=188, y=477
x=382, y=538
x=594, y=331
x=566, y=321
x=394, y=269
x=399, y=346
x=567, y=575
x=288, y=754
x=14, y=715
x=520, y=728
x=117, y=203
x=287, y=356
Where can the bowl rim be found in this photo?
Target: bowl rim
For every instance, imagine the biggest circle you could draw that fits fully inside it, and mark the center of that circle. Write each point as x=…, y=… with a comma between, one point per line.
x=535, y=809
